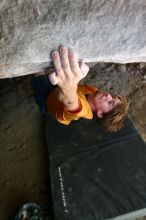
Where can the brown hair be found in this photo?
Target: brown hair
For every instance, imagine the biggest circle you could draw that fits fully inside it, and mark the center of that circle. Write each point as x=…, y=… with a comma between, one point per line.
x=113, y=120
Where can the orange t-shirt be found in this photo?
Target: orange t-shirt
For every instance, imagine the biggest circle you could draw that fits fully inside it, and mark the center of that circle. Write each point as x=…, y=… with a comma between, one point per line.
x=58, y=110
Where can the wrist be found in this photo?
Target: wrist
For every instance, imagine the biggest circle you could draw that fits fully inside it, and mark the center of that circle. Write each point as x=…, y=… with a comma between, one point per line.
x=69, y=99
x=69, y=91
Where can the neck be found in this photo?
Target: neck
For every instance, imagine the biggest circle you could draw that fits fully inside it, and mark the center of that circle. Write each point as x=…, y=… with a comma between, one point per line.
x=90, y=102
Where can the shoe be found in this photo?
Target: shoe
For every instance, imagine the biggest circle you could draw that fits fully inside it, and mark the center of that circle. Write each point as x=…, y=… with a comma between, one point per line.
x=29, y=211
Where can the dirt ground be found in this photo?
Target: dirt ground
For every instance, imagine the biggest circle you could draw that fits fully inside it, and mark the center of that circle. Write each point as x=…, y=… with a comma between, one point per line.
x=24, y=167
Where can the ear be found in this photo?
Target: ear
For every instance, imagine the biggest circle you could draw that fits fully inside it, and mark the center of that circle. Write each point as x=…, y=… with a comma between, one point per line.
x=99, y=114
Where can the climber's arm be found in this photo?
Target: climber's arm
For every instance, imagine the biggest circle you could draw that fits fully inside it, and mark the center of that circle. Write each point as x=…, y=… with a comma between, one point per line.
x=67, y=75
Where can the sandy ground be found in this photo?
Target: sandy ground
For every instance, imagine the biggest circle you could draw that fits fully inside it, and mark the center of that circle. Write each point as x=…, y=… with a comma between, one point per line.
x=24, y=168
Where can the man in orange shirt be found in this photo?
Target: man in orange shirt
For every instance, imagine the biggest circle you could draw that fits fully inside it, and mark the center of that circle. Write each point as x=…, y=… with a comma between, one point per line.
x=67, y=100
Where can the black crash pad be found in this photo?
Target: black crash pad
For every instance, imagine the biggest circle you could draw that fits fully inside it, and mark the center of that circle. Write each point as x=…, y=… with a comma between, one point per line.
x=95, y=174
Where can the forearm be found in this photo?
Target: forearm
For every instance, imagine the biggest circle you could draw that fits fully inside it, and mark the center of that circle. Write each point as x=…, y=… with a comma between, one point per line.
x=69, y=99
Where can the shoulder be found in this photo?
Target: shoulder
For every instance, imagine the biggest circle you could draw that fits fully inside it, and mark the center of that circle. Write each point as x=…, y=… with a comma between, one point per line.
x=86, y=89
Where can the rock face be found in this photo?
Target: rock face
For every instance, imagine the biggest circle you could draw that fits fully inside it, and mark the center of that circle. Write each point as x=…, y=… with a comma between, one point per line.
x=99, y=31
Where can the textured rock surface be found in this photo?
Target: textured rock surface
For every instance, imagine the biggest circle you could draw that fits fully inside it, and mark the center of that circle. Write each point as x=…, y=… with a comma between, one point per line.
x=23, y=156
x=107, y=31
x=23, y=153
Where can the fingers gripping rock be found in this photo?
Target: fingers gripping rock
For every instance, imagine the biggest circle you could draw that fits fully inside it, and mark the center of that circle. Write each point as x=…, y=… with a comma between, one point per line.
x=53, y=78
x=84, y=69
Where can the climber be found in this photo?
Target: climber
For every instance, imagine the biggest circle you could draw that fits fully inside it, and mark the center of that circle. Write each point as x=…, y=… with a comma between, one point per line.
x=60, y=94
